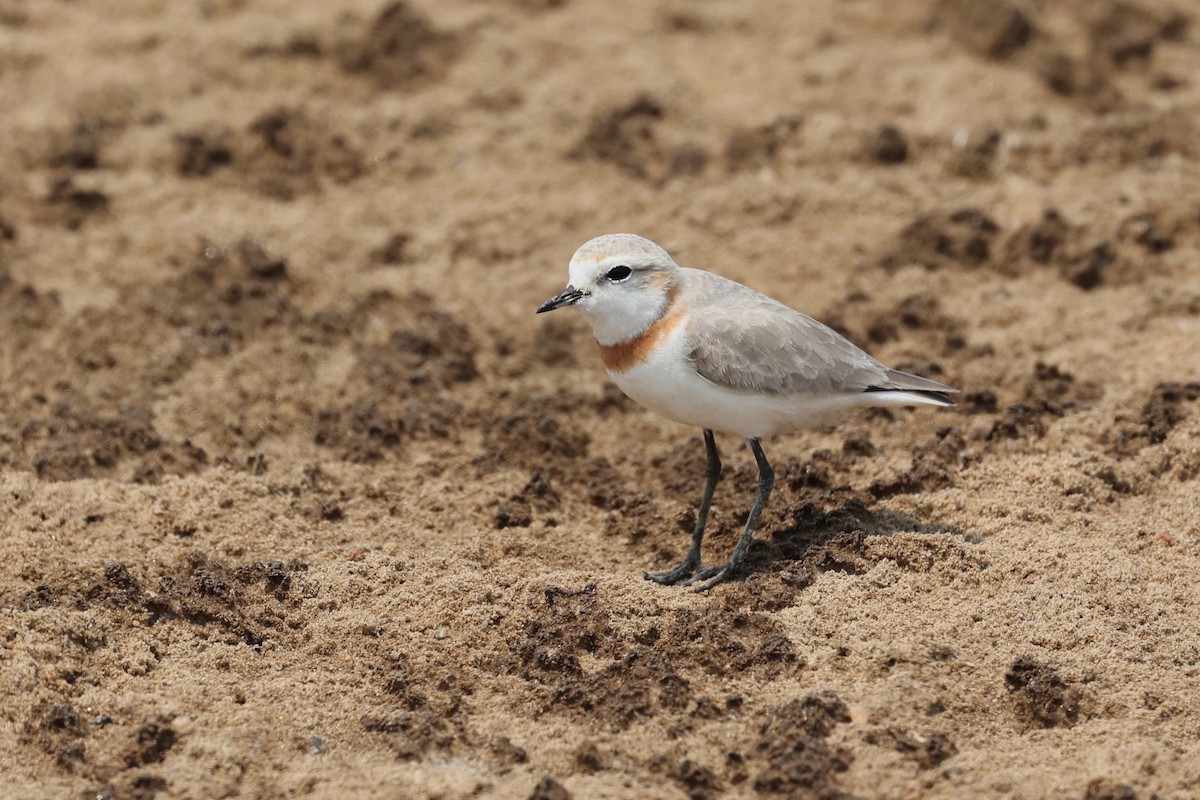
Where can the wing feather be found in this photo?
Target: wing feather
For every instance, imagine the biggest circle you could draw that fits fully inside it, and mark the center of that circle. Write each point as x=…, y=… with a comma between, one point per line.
x=743, y=340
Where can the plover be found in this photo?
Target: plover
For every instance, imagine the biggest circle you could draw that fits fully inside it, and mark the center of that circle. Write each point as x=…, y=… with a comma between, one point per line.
x=707, y=351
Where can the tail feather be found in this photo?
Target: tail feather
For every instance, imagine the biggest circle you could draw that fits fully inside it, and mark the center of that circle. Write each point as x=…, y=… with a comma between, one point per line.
x=903, y=388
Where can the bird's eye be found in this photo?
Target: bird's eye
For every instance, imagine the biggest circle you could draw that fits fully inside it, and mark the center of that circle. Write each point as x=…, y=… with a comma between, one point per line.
x=619, y=273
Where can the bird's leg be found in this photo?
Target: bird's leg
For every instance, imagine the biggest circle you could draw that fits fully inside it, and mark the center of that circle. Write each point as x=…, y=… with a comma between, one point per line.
x=766, y=479
x=691, y=561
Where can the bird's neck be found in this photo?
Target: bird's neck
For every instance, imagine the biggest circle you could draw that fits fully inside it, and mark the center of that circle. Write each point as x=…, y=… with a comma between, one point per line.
x=627, y=352
x=632, y=318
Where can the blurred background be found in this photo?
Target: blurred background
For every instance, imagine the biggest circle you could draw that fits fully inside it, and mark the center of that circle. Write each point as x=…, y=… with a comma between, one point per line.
x=299, y=497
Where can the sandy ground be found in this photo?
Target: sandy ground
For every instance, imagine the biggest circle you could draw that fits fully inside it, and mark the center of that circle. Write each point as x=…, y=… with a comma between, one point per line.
x=299, y=498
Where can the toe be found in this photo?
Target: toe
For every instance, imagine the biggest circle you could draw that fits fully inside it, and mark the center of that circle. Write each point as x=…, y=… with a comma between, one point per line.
x=710, y=577
x=671, y=577
x=699, y=573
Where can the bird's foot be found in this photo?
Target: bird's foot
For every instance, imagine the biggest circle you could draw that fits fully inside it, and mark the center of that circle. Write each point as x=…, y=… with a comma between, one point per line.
x=684, y=573
x=708, y=577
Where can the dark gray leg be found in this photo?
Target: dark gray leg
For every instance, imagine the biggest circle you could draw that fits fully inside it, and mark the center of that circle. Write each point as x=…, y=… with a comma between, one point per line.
x=691, y=561
x=766, y=479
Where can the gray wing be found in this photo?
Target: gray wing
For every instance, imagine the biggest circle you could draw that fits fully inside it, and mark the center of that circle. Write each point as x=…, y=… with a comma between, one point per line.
x=743, y=340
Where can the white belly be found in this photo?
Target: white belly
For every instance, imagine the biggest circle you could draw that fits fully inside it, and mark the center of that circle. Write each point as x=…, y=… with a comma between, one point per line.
x=667, y=384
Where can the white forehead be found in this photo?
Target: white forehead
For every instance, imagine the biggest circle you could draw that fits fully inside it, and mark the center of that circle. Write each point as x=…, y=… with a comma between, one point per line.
x=604, y=252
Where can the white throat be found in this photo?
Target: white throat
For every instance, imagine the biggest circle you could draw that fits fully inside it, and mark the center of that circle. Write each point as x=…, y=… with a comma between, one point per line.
x=621, y=321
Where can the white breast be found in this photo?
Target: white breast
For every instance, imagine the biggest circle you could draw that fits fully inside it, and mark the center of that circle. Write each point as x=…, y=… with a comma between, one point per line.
x=667, y=384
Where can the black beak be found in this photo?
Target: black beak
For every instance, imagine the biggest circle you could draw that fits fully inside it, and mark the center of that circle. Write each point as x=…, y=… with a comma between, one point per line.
x=567, y=297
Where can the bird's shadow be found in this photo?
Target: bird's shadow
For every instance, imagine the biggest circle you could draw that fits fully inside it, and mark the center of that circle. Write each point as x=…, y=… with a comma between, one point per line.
x=818, y=540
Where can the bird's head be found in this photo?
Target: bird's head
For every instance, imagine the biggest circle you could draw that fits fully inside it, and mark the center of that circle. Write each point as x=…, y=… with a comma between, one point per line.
x=621, y=282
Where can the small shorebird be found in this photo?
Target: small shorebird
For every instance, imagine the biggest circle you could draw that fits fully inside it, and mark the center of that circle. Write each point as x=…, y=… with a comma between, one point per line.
x=707, y=351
